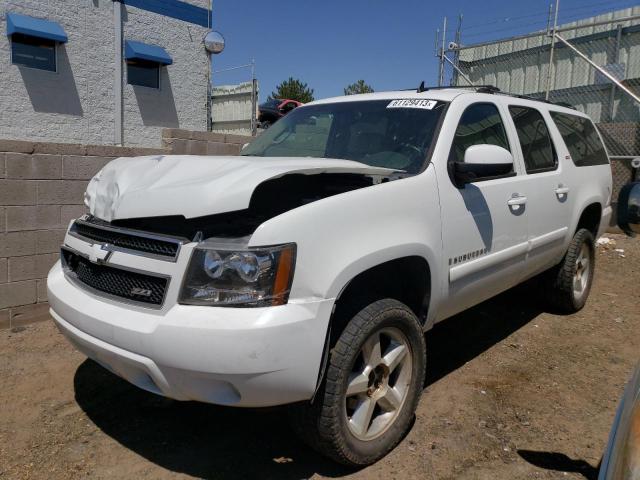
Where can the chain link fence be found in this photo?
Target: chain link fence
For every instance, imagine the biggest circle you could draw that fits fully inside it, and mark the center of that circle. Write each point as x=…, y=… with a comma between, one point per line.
x=520, y=65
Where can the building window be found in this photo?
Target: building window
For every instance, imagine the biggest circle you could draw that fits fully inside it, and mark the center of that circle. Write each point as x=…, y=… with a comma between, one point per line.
x=145, y=74
x=33, y=52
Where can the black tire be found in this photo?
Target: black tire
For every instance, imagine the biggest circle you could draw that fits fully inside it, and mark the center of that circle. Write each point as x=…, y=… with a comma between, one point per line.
x=265, y=124
x=559, y=281
x=324, y=424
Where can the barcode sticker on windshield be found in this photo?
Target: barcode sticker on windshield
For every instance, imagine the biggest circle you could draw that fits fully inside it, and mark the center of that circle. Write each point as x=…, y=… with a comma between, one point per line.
x=413, y=103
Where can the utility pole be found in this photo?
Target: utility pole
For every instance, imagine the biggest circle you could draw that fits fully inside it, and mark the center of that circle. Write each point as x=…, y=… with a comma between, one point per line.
x=254, y=98
x=442, y=51
x=436, y=48
x=456, y=52
x=550, y=70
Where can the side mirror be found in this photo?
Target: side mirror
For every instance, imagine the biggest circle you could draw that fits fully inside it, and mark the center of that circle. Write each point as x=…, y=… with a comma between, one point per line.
x=629, y=208
x=482, y=162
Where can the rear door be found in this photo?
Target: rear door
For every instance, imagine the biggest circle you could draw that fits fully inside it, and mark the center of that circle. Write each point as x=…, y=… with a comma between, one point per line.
x=484, y=223
x=548, y=185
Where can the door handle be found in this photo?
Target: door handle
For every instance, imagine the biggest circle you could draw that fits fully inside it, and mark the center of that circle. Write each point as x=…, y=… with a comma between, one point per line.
x=561, y=190
x=516, y=200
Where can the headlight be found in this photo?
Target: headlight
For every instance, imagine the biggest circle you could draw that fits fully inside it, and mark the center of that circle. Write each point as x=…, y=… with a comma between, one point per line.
x=222, y=275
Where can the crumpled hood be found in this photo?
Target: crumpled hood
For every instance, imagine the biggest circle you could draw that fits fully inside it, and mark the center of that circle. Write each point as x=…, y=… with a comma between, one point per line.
x=195, y=186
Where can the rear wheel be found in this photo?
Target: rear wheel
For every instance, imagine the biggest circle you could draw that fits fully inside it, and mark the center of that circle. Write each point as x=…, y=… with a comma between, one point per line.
x=372, y=386
x=570, y=281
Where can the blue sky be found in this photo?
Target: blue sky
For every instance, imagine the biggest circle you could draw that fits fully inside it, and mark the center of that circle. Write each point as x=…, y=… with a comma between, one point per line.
x=390, y=44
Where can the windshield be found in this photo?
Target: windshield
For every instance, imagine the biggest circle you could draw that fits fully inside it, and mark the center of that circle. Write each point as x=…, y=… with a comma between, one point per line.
x=273, y=103
x=382, y=133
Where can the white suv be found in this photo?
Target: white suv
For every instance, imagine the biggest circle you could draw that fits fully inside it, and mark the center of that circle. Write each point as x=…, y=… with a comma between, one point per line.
x=306, y=270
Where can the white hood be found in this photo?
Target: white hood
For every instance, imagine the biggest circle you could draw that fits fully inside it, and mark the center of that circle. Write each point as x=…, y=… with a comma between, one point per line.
x=194, y=186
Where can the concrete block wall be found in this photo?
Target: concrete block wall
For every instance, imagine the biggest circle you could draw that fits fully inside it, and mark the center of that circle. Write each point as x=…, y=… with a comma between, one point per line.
x=41, y=191
x=187, y=142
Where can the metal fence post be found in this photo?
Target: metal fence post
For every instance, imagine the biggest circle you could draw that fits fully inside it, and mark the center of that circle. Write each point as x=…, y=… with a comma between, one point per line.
x=616, y=57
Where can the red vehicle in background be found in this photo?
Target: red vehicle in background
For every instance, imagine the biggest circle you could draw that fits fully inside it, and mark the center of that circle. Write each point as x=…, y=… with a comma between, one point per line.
x=274, y=109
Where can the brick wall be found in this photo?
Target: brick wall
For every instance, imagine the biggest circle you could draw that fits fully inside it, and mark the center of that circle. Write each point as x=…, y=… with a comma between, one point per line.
x=187, y=142
x=41, y=191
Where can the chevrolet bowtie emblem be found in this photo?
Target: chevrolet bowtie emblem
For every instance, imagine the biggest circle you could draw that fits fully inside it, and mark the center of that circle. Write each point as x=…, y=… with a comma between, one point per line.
x=99, y=253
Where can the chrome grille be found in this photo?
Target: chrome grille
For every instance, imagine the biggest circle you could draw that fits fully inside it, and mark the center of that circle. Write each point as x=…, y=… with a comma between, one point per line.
x=94, y=230
x=113, y=281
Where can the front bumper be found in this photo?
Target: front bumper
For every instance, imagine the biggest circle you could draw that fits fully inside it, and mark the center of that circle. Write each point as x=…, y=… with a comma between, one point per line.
x=251, y=357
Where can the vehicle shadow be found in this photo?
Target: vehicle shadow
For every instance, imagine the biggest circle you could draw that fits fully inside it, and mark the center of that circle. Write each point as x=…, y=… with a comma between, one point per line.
x=461, y=338
x=208, y=441
x=559, y=462
x=201, y=440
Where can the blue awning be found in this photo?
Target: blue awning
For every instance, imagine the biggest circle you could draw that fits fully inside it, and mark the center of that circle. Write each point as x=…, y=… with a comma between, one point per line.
x=141, y=51
x=35, y=27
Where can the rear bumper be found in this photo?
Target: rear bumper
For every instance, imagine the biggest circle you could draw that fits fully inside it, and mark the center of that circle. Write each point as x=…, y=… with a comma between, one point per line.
x=230, y=356
x=605, y=221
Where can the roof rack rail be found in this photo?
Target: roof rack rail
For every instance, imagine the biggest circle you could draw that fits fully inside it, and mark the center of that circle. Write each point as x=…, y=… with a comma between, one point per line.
x=488, y=89
x=491, y=89
x=477, y=88
x=537, y=99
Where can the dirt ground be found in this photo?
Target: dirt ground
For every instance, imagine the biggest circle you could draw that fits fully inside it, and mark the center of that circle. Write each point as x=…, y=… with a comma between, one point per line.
x=512, y=392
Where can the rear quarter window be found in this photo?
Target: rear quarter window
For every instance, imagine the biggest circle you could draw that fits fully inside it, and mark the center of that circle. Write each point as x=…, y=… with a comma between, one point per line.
x=582, y=139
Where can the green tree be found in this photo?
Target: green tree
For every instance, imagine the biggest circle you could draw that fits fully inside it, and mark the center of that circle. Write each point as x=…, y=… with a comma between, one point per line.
x=359, y=87
x=293, y=89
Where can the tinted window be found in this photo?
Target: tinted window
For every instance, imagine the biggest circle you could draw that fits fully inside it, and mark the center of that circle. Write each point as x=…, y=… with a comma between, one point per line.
x=480, y=125
x=33, y=52
x=287, y=107
x=145, y=74
x=370, y=132
x=581, y=139
x=534, y=138
x=273, y=103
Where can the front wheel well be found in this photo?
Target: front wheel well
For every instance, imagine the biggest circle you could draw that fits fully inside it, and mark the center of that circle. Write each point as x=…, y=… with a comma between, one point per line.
x=590, y=218
x=406, y=279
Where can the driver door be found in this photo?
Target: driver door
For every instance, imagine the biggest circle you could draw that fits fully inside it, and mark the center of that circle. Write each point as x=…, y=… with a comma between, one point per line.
x=484, y=223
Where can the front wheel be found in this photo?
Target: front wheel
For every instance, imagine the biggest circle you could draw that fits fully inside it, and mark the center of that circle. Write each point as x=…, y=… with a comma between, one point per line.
x=372, y=386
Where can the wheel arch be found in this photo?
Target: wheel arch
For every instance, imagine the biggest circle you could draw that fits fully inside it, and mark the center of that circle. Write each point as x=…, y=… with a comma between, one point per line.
x=590, y=217
x=377, y=282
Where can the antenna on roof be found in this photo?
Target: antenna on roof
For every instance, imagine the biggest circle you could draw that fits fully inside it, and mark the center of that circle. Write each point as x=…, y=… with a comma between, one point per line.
x=422, y=88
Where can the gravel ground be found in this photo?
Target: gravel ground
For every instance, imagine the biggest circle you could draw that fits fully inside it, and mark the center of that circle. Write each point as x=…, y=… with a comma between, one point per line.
x=512, y=392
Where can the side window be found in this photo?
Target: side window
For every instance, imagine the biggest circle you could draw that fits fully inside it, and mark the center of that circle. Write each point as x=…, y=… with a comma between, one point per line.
x=480, y=124
x=582, y=140
x=535, y=141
